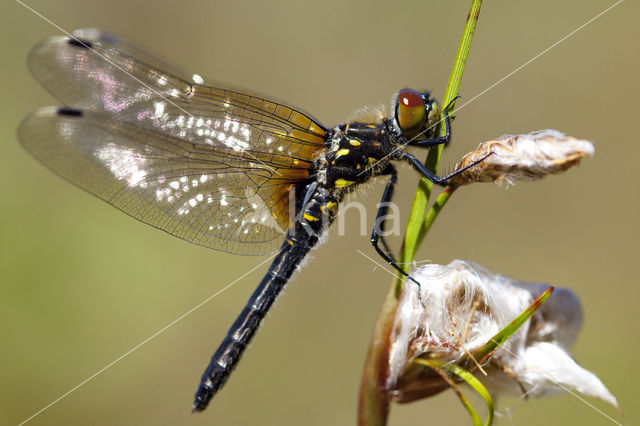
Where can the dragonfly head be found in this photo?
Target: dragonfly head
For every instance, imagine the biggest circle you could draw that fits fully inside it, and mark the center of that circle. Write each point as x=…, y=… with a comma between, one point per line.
x=416, y=113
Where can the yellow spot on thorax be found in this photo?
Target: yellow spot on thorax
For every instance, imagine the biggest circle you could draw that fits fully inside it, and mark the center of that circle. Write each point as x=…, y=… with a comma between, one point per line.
x=331, y=206
x=354, y=142
x=342, y=152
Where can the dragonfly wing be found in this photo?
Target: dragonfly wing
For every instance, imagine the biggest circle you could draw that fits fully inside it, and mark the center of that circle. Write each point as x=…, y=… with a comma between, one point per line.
x=196, y=193
x=209, y=164
x=92, y=73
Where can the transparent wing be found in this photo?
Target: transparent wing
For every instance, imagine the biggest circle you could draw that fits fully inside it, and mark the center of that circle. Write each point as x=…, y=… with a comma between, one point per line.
x=195, y=192
x=209, y=164
x=102, y=72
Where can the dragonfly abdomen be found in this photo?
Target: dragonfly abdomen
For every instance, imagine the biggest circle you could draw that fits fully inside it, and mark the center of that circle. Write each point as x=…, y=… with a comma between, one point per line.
x=225, y=359
x=312, y=222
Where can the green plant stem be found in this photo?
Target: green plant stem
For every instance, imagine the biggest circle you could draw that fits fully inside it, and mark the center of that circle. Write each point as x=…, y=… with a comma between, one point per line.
x=433, y=212
x=374, y=398
x=416, y=231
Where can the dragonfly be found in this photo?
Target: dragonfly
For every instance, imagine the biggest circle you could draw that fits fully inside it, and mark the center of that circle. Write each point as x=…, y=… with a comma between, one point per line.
x=217, y=166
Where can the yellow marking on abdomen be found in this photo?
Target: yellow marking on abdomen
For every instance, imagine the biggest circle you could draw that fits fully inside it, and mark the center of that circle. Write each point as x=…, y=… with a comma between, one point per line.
x=310, y=218
x=341, y=183
x=372, y=160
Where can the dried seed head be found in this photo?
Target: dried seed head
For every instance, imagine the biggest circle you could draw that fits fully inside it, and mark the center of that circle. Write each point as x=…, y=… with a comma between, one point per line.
x=522, y=157
x=462, y=307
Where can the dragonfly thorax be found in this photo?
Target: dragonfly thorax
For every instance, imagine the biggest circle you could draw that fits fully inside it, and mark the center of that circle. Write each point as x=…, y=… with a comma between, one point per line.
x=355, y=153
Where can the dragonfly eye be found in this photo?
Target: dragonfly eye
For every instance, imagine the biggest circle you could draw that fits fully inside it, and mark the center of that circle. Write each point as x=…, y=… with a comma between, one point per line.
x=411, y=112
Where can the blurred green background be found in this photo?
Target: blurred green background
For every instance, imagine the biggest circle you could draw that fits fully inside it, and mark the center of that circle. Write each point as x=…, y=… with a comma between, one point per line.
x=81, y=283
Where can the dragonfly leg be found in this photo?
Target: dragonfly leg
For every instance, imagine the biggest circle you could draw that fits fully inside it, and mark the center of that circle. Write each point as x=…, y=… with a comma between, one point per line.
x=442, y=181
x=377, y=235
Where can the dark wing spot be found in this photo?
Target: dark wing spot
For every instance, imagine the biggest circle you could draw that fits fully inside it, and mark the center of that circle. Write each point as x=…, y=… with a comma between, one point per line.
x=70, y=112
x=80, y=43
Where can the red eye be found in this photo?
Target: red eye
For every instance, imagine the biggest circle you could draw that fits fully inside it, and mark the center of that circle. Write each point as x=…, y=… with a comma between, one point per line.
x=410, y=98
x=411, y=112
